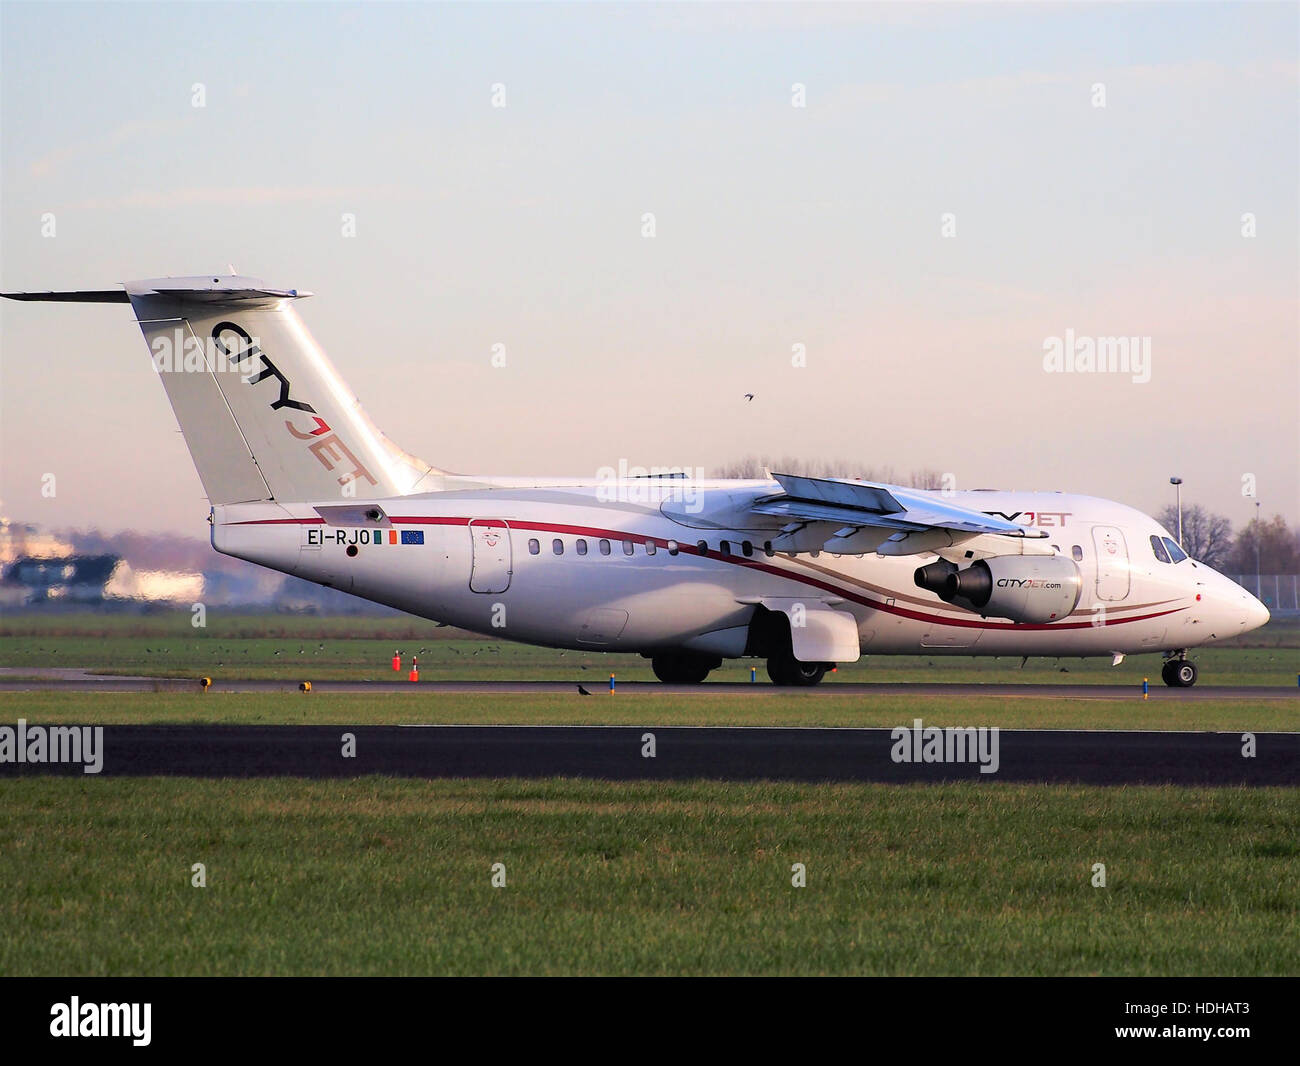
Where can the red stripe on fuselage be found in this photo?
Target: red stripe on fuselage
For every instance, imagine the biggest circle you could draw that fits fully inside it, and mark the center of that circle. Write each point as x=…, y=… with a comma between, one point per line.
x=776, y=571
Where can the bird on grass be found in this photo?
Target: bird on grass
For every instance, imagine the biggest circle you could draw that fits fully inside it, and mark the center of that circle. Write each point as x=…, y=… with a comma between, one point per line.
x=582, y=691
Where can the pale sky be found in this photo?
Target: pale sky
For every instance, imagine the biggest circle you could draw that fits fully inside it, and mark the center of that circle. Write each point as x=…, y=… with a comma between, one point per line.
x=775, y=225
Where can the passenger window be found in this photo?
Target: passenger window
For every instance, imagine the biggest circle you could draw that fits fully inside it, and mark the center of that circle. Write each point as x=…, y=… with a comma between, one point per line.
x=747, y=548
x=580, y=546
x=1157, y=546
x=1056, y=548
x=604, y=547
x=702, y=546
x=1175, y=552
x=557, y=546
x=649, y=547
x=673, y=547
x=724, y=546
x=768, y=550
x=533, y=546
x=628, y=547
x=1077, y=552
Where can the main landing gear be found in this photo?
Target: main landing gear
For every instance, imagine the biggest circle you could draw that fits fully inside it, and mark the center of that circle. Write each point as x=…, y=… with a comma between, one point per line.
x=785, y=669
x=1179, y=672
x=683, y=669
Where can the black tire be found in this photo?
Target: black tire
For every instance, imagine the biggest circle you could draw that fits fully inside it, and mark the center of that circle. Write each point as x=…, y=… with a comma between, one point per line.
x=790, y=672
x=1179, y=673
x=681, y=669
x=778, y=672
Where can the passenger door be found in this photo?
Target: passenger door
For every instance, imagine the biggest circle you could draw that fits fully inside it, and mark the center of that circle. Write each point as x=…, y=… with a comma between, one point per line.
x=492, y=562
x=1112, y=563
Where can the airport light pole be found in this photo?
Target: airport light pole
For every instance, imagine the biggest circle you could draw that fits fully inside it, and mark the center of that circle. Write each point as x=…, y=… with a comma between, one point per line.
x=1177, y=483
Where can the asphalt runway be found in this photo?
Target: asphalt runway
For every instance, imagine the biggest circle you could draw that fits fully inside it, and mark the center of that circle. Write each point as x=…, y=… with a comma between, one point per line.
x=729, y=754
x=61, y=680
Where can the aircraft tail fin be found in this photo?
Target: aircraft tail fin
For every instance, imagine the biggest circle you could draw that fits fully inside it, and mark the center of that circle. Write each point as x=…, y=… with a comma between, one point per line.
x=263, y=411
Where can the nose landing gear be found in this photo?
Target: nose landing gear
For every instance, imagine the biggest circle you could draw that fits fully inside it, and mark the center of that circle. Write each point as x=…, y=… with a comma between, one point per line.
x=1179, y=672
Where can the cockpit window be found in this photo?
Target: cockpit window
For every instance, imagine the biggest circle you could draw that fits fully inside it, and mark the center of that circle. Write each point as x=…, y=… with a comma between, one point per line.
x=1175, y=552
x=1158, y=546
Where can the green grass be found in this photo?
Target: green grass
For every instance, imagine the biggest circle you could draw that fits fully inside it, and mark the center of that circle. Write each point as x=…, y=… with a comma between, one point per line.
x=381, y=876
x=309, y=648
x=765, y=707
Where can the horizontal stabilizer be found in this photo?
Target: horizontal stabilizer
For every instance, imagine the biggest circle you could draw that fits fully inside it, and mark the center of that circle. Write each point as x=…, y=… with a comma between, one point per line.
x=83, y=296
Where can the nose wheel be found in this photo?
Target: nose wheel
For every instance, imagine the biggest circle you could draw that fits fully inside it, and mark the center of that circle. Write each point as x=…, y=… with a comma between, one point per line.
x=1179, y=673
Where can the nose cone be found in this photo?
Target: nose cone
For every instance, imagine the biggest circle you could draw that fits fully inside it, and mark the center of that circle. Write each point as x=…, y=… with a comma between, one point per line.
x=1245, y=612
x=1256, y=614
x=1227, y=608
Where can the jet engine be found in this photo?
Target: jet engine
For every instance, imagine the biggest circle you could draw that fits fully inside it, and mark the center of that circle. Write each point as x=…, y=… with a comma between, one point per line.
x=1024, y=588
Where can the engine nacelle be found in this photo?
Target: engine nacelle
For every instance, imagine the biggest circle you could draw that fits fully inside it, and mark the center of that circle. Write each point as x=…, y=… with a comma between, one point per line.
x=1024, y=588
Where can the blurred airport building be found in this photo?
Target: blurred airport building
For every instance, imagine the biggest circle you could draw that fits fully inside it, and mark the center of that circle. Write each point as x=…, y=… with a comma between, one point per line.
x=44, y=570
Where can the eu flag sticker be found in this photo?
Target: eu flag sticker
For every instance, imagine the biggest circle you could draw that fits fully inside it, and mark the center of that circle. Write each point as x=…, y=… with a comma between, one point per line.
x=412, y=536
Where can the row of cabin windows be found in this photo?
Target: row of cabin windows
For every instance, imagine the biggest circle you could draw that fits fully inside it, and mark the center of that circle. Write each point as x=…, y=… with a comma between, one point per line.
x=580, y=546
x=1166, y=550
x=745, y=547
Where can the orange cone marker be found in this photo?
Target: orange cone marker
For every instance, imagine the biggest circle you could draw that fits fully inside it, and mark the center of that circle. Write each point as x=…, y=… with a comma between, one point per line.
x=397, y=659
x=415, y=669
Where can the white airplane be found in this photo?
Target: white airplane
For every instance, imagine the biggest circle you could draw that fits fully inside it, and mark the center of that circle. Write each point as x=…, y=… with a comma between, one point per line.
x=803, y=572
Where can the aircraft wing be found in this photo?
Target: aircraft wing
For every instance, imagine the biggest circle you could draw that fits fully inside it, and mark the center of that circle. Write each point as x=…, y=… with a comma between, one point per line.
x=824, y=509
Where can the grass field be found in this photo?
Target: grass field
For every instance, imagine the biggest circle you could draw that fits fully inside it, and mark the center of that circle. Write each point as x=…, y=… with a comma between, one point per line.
x=317, y=649
x=378, y=876
x=382, y=876
x=761, y=709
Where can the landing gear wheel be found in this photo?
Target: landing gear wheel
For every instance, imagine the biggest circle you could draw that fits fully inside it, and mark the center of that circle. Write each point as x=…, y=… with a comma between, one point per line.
x=1179, y=673
x=789, y=671
x=681, y=669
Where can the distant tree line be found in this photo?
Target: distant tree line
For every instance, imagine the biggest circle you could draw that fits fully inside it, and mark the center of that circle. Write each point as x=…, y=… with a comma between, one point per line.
x=758, y=466
x=1267, y=543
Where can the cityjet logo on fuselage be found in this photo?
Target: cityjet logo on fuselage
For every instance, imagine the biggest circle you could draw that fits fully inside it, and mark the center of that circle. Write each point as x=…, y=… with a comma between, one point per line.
x=324, y=444
x=1034, y=518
